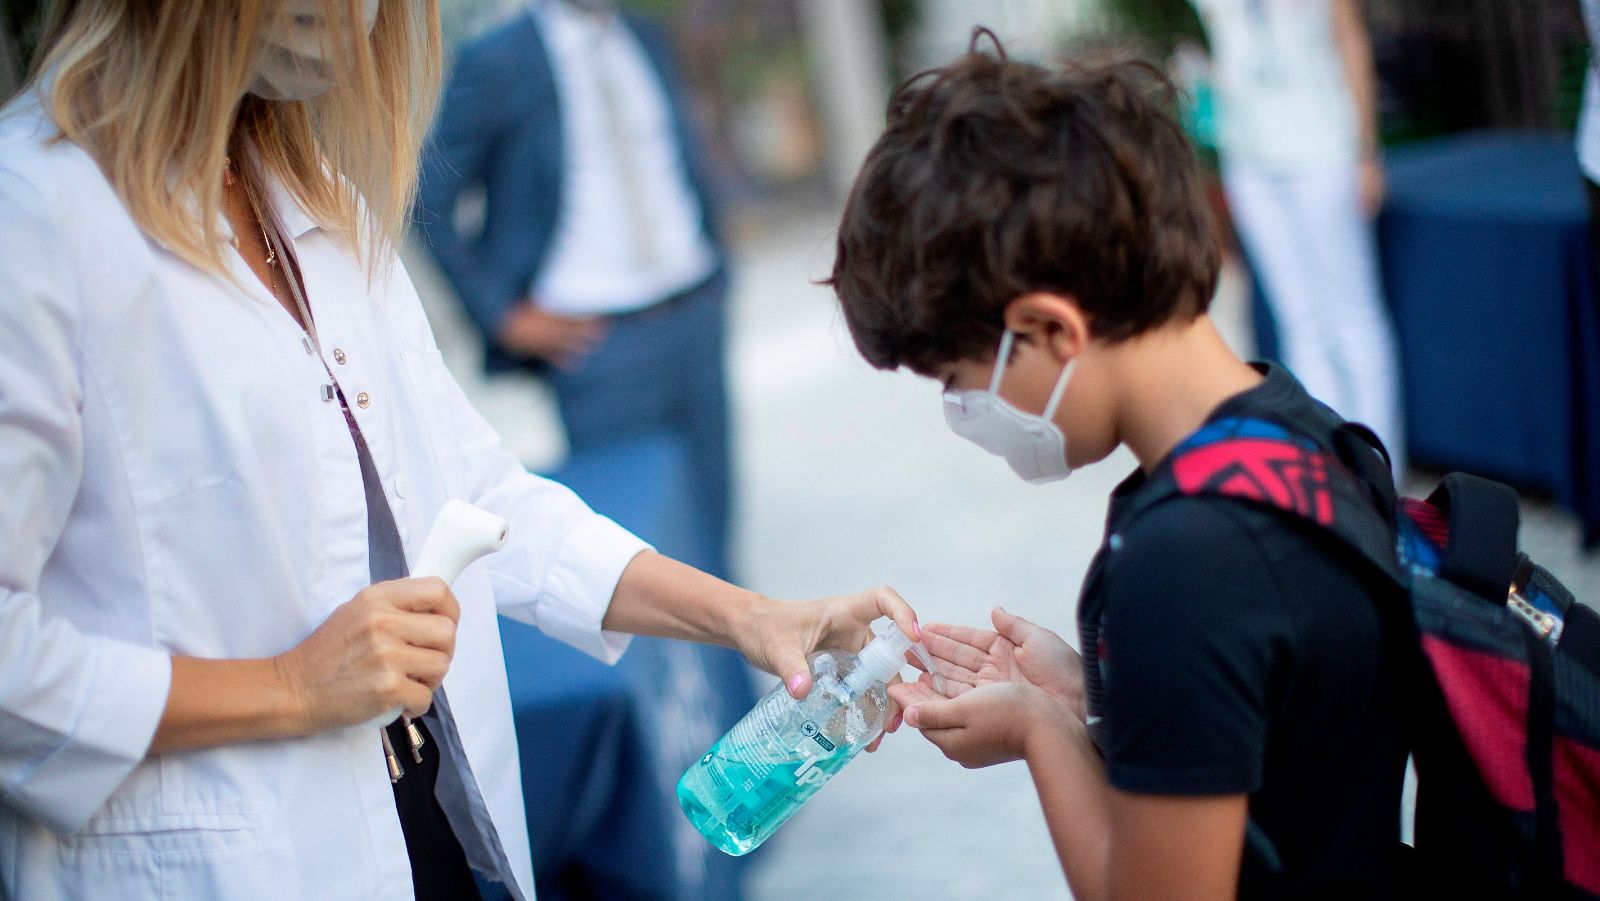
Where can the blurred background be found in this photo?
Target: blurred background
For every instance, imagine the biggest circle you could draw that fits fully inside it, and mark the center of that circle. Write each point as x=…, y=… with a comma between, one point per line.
x=822, y=476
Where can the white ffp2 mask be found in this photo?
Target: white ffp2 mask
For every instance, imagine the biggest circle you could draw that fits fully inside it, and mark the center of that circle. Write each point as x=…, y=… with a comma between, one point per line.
x=297, y=58
x=1030, y=442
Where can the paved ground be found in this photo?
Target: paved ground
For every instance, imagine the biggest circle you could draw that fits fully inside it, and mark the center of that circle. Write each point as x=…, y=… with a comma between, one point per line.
x=850, y=478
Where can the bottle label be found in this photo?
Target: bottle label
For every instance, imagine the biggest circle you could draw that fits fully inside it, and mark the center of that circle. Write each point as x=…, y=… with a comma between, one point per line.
x=764, y=769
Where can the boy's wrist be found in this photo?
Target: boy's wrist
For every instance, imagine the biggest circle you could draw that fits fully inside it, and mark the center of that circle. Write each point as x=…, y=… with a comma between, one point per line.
x=1050, y=726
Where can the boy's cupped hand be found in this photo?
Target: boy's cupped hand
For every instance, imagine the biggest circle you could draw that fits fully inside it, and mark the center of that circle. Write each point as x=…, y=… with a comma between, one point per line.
x=1002, y=686
x=990, y=724
x=1017, y=650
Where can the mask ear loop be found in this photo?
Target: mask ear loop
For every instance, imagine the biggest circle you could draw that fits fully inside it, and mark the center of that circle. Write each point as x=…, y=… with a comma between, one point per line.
x=1007, y=341
x=1059, y=390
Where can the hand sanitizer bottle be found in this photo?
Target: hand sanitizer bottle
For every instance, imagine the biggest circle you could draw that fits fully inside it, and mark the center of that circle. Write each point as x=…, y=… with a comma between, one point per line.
x=771, y=762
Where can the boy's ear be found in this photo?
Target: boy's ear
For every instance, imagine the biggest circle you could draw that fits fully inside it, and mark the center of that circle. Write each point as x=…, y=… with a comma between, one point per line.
x=1054, y=321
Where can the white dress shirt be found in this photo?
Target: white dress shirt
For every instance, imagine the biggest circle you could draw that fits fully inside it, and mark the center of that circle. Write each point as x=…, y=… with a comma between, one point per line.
x=1283, y=101
x=176, y=484
x=597, y=264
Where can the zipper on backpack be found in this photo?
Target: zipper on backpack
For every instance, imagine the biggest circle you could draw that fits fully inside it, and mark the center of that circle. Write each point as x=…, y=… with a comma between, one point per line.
x=1545, y=625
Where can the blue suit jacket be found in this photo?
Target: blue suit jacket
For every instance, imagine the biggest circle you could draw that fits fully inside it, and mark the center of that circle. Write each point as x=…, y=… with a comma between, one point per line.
x=500, y=128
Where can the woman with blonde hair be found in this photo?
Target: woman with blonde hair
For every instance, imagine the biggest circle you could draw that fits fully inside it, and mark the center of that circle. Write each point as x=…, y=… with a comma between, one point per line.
x=224, y=430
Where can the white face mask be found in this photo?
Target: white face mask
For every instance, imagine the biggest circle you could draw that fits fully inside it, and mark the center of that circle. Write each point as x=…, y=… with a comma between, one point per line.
x=1032, y=443
x=297, y=53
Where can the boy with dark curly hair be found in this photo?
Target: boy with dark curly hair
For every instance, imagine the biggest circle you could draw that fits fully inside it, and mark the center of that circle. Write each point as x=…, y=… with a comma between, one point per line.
x=1036, y=240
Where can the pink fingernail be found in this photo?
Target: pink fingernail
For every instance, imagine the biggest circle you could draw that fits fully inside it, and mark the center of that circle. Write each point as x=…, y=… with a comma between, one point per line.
x=916, y=628
x=795, y=681
x=911, y=717
x=896, y=724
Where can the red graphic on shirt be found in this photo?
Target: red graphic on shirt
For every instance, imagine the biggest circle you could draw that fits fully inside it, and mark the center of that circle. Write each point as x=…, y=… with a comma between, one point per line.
x=1263, y=470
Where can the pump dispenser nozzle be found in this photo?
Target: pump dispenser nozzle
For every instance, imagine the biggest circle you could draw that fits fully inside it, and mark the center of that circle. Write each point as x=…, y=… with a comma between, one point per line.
x=886, y=654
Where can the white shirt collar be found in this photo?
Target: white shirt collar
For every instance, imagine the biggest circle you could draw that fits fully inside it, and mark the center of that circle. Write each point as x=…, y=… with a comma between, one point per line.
x=296, y=222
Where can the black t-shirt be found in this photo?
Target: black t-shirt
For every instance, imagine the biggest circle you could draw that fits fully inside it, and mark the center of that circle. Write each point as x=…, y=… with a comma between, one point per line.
x=1241, y=653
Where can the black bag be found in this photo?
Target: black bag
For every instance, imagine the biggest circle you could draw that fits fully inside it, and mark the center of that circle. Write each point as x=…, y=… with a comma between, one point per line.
x=1505, y=690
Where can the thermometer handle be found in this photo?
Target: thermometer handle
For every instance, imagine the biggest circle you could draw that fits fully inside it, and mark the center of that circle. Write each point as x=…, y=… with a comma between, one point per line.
x=461, y=534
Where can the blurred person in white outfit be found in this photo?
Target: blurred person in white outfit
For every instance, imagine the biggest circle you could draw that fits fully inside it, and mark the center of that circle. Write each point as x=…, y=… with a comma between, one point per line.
x=1589, y=124
x=225, y=428
x=1297, y=112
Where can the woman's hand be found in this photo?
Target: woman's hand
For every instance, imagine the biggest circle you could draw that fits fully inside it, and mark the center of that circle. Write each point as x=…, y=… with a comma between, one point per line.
x=386, y=649
x=661, y=596
x=989, y=724
x=1018, y=651
x=779, y=636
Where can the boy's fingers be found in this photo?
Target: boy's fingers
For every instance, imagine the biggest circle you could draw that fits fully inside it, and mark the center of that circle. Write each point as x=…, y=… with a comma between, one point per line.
x=978, y=638
x=959, y=653
x=908, y=693
x=1007, y=624
x=958, y=673
x=944, y=667
x=952, y=685
x=1014, y=628
x=933, y=714
x=945, y=740
x=953, y=688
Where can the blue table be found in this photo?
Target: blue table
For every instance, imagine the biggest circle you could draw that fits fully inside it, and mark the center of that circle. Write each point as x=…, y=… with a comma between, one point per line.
x=602, y=747
x=1487, y=266
x=595, y=814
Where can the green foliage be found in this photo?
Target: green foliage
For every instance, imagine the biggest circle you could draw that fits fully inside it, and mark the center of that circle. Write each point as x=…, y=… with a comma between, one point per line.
x=1574, y=62
x=1160, y=25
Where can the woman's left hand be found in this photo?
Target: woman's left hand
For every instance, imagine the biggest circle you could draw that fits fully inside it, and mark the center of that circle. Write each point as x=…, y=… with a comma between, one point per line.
x=780, y=636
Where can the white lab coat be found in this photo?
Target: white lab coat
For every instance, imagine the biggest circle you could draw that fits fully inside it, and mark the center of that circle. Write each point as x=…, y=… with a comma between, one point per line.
x=174, y=483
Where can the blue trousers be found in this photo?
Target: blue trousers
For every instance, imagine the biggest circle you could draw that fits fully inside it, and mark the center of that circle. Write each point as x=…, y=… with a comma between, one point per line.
x=661, y=370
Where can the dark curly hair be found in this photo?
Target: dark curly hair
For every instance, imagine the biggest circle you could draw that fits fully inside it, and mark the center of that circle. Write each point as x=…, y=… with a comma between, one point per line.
x=996, y=178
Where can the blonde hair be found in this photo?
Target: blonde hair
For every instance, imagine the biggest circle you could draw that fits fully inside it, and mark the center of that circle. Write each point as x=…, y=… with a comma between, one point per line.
x=155, y=92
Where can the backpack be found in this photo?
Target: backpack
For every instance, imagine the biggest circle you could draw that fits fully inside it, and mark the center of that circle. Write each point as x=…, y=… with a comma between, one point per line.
x=1503, y=689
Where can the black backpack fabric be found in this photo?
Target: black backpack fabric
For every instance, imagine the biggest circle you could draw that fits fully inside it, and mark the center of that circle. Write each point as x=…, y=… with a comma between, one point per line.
x=1504, y=690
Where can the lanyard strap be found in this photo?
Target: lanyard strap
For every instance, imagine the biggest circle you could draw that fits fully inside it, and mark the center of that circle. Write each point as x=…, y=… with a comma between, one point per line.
x=385, y=552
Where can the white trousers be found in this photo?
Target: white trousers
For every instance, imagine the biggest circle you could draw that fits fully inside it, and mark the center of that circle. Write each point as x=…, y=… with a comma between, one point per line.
x=1314, y=251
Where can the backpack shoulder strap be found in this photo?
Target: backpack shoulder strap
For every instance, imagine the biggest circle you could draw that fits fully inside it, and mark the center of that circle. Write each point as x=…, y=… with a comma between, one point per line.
x=1482, y=519
x=1272, y=464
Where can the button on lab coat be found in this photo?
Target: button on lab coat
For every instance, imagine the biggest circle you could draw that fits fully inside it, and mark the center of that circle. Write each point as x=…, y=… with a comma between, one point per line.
x=174, y=482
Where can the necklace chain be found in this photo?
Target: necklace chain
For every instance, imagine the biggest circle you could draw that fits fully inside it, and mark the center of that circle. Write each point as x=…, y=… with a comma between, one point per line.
x=228, y=180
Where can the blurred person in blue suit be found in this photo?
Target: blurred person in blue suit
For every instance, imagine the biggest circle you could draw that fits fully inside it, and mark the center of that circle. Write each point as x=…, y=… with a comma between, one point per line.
x=597, y=264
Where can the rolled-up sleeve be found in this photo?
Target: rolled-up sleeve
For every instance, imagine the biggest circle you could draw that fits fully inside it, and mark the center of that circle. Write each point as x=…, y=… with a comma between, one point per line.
x=562, y=561
x=77, y=711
